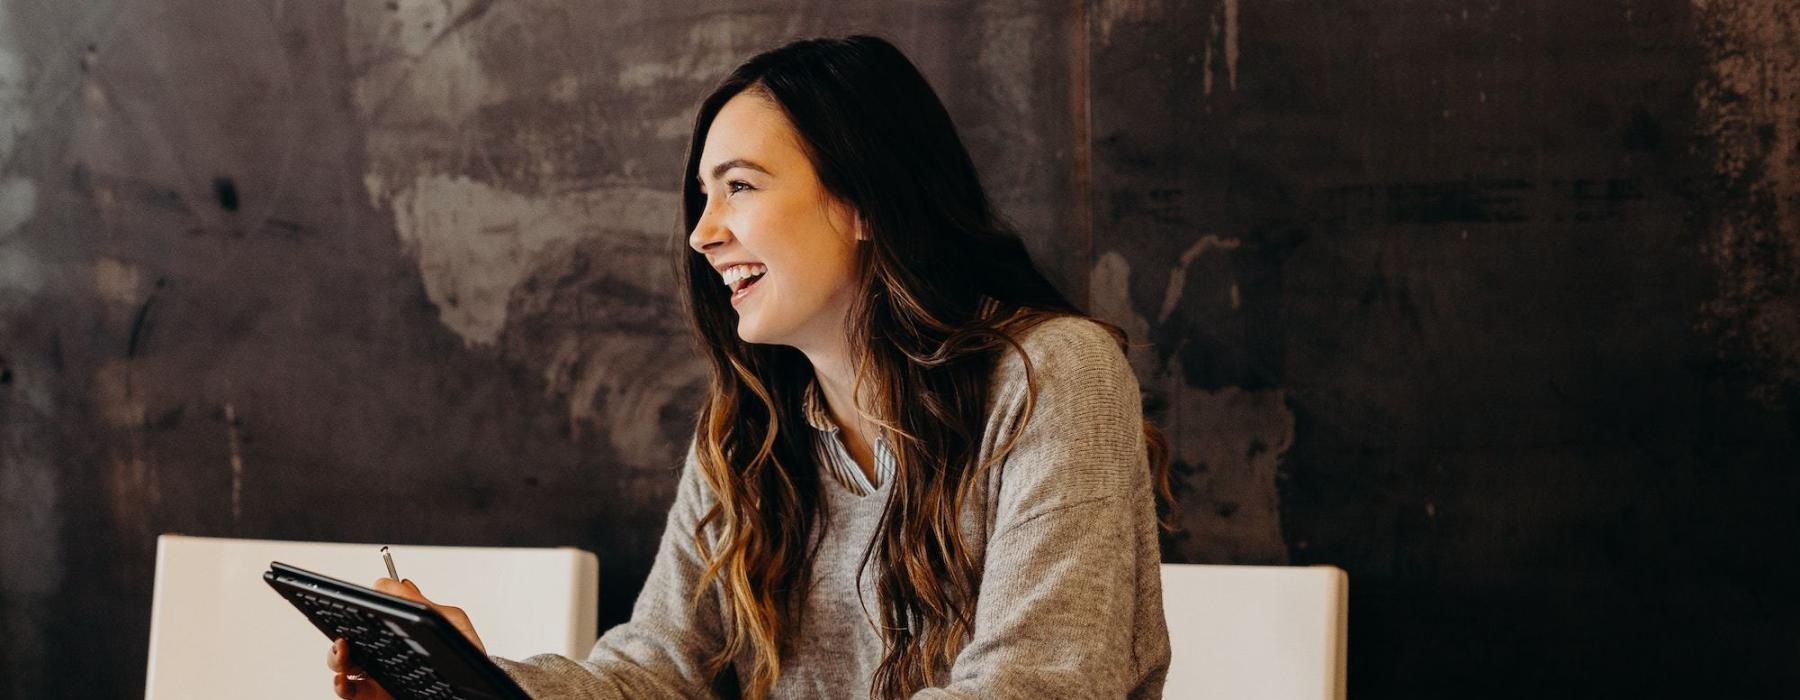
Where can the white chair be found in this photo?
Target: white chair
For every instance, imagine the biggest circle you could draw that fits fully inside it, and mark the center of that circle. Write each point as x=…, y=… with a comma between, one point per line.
x=218, y=631
x=1256, y=632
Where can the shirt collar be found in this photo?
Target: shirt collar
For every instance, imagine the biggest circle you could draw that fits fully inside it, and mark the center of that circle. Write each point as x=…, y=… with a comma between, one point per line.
x=813, y=407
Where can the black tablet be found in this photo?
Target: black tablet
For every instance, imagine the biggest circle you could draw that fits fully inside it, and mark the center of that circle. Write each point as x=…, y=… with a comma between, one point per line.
x=412, y=650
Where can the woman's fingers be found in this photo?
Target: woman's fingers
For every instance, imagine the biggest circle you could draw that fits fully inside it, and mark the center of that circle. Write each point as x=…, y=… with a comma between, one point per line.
x=457, y=618
x=350, y=682
x=366, y=689
x=338, y=658
x=396, y=588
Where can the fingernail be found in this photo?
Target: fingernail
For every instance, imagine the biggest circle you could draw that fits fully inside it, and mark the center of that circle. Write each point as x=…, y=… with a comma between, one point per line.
x=409, y=583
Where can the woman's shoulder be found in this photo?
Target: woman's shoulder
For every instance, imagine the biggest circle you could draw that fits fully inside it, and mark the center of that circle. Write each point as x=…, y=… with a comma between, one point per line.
x=1058, y=347
x=1077, y=420
x=1067, y=330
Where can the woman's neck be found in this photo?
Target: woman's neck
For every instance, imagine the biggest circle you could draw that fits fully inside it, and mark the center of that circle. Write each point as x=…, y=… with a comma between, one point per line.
x=836, y=374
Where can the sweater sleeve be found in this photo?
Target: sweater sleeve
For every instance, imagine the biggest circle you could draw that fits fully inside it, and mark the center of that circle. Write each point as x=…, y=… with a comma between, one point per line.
x=662, y=651
x=1063, y=609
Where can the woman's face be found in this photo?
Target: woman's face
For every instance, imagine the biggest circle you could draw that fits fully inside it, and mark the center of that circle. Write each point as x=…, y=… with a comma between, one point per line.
x=767, y=213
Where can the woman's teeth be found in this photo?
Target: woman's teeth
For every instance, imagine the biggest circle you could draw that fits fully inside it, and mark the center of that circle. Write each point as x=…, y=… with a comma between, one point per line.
x=737, y=275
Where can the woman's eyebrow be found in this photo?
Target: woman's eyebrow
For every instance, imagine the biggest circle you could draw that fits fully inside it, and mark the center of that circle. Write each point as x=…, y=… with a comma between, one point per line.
x=719, y=170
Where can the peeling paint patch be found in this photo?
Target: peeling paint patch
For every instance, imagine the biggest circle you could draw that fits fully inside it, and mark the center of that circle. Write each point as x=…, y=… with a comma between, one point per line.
x=1749, y=109
x=595, y=318
x=474, y=242
x=424, y=65
x=1178, y=276
x=519, y=189
x=488, y=177
x=1227, y=443
x=1110, y=288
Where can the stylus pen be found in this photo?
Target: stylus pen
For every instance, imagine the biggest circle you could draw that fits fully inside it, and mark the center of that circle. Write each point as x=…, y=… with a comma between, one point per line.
x=389, y=558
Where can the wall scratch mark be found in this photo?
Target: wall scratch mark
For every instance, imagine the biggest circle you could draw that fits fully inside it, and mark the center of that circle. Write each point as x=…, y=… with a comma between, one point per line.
x=138, y=323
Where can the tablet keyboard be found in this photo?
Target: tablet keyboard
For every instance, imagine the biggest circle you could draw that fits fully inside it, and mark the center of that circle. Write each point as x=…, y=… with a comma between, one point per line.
x=393, y=657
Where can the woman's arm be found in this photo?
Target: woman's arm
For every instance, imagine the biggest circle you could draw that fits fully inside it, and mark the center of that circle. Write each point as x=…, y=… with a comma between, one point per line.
x=1070, y=604
x=662, y=651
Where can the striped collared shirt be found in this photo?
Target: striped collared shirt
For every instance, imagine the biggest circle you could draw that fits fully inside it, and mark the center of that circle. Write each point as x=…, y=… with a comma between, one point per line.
x=842, y=466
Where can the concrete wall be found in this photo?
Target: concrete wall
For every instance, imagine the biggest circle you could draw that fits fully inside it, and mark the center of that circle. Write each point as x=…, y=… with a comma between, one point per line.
x=1494, y=304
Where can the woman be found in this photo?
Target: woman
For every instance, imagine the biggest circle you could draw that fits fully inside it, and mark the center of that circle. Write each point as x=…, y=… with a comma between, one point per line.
x=919, y=471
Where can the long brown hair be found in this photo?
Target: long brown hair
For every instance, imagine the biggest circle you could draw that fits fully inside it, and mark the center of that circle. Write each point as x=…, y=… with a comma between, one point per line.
x=881, y=142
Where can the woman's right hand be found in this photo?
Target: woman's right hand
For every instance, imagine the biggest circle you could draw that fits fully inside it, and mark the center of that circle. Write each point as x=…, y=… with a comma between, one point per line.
x=350, y=681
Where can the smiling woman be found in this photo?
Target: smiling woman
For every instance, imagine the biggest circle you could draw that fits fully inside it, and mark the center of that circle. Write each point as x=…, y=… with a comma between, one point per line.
x=770, y=227
x=919, y=471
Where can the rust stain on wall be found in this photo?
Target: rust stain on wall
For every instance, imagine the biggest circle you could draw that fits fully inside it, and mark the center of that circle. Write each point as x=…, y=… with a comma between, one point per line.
x=1749, y=109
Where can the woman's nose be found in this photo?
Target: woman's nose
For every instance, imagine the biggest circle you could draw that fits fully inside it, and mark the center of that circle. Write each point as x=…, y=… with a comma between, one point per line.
x=707, y=233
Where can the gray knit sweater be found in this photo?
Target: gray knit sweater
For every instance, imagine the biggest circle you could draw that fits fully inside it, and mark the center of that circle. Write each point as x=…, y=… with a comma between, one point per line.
x=1070, y=604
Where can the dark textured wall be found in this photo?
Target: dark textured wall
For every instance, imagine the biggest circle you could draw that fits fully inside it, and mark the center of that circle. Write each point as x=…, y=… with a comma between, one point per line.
x=1493, y=304
x=1498, y=304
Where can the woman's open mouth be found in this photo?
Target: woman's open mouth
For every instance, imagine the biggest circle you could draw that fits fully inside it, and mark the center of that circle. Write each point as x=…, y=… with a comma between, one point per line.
x=741, y=278
x=743, y=289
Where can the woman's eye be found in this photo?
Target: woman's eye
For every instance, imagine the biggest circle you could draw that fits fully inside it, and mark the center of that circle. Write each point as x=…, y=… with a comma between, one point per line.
x=736, y=186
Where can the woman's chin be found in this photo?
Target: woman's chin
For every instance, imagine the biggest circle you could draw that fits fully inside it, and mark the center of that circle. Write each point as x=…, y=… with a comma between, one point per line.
x=749, y=332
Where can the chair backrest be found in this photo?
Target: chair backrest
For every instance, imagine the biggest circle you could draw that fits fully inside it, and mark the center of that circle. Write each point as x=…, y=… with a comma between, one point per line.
x=1266, y=632
x=218, y=631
